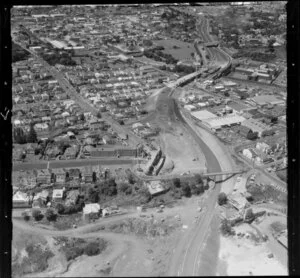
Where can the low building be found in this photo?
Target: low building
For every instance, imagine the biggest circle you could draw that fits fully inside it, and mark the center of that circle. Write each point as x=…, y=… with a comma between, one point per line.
x=238, y=201
x=256, y=126
x=247, y=153
x=57, y=195
x=72, y=197
x=225, y=121
x=203, y=115
x=155, y=188
x=60, y=175
x=74, y=174
x=91, y=211
x=21, y=200
x=87, y=174
x=44, y=176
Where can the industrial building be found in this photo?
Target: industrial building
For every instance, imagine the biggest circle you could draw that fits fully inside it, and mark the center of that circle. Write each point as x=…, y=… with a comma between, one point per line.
x=203, y=115
x=268, y=99
x=225, y=121
x=255, y=126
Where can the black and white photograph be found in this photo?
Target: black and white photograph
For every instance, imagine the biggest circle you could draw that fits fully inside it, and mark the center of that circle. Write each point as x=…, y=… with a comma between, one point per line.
x=149, y=139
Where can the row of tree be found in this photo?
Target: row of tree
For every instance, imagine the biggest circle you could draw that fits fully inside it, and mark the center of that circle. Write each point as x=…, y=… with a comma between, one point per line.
x=20, y=137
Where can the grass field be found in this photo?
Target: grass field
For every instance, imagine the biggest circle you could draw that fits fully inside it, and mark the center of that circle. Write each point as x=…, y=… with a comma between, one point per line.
x=183, y=52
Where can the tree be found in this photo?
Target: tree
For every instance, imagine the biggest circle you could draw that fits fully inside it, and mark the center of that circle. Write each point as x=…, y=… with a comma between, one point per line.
x=22, y=156
x=81, y=117
x=249, y=215
x=60, y=208
x=99, y=116
x=19, y=136
x=252, y=135
x=226, y=228
x=131, y=179
x=50, y=214
x=31, y=137
x=37, y=214
x=93, y=195
x=186, y=190
x=271, y=45
x=222, y=199
x=198, y=179
x=176, y=182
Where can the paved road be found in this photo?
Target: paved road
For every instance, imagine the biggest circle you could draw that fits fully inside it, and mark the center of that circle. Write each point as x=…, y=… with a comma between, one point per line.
x=83, y=103
x=72, y=163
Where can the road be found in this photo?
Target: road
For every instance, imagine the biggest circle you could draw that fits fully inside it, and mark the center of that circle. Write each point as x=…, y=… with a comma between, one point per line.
x=83, y=103
x=72, y=163
x=186, y=256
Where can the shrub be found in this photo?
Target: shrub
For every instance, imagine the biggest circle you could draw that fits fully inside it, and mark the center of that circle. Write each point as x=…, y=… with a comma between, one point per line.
x=249, y=215
x=51, y=214
x=176, y=182
x=186, y=190
x=91, y=249
x=198, y=179
x=226, y=228
x=25, y=216
x=60, y=208
x=222, y=199
x=73, y=253
x=37, y=214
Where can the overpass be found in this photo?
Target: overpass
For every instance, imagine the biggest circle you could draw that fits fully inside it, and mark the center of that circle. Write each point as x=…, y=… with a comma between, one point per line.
x=189, y=175
x=214, y=174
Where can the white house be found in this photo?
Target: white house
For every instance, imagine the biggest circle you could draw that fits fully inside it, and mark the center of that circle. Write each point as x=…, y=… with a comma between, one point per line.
x=247, y=153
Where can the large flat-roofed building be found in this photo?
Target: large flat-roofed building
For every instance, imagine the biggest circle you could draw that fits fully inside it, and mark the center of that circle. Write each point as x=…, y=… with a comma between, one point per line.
x=221, y=122
x=203, y=115
x=255, y=126
x=268, y=99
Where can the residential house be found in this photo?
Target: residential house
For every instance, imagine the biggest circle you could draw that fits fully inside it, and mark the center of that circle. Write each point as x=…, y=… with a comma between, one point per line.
x=30, y=148
x=155, y=188
x=44, y=176
x=107, y=139
x=60, y=175
x=74, y=174
x=57, y=195
x=247, y=153
x=40, y=199
x=87, y=174
x=244, y=131
x=20, y=200
x=263, y=147
x=91, y=211
x=71, y=152
x=72, y=197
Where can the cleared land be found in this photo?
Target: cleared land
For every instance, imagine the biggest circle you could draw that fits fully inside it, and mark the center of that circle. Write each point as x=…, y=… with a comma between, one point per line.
x=183, y=51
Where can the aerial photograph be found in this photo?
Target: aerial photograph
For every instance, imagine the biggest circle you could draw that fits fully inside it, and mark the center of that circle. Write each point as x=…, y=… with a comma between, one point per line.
x=149, y=140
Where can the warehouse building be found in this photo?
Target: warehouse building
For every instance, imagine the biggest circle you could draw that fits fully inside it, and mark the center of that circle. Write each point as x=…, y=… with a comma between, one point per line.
x=268, y=99
x=203, y=115
x=255, y=126
x=218, y=123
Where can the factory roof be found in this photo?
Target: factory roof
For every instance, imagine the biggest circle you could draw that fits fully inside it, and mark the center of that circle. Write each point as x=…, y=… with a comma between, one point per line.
x=265, y=99
x=225, y=120
x=203, y=114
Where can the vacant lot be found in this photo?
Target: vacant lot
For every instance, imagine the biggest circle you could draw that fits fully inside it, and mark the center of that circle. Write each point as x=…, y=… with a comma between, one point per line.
x=183, y=51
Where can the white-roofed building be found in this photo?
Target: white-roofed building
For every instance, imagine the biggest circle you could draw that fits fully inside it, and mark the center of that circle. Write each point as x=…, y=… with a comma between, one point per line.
x=91, y=211
x=225, y=121
x=57, y=195
x=203, y=114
